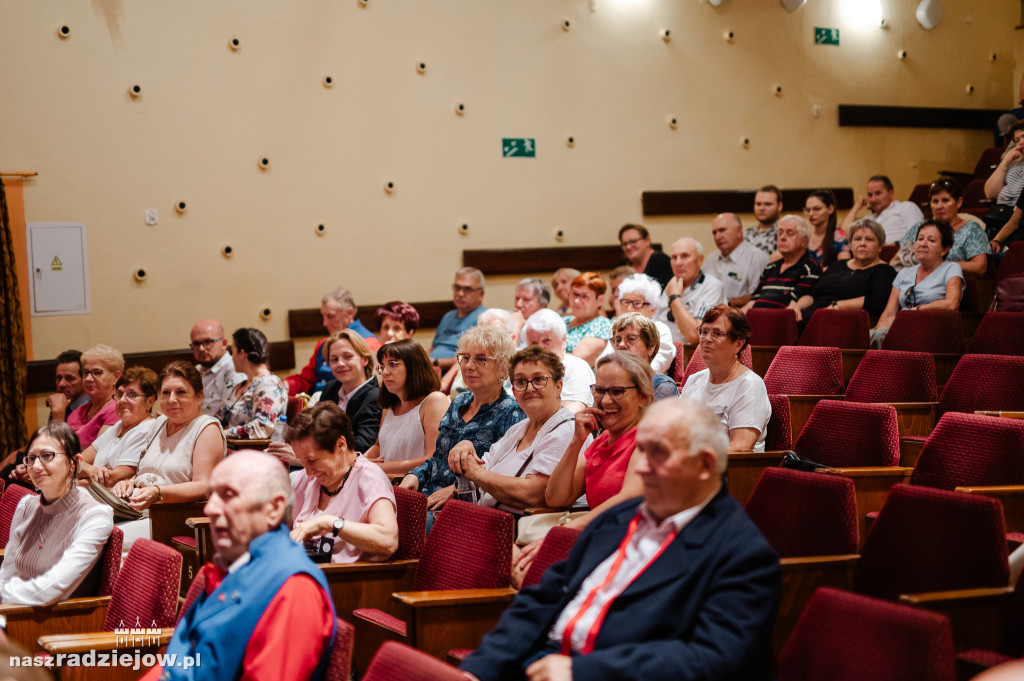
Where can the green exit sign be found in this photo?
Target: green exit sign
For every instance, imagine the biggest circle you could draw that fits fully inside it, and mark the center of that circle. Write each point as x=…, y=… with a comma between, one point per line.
x=826, y=36
x=518, y=146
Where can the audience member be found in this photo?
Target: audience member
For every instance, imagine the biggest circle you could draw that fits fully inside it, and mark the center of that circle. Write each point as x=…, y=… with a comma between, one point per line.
x=641, y=294
x=677, y=584
x=736, y=264
x=354, y=387
x=546, y=329
x=1005, y=184
x=531, y=295
x=935, y=283
x=114, y=455
x=513, y=474
x=412, y=406
x=1010, y=232
x=691, y=292
x=787, y=280
x=767, y=208
x=561, y=284
x=970, y=243
x=827, y=244
x=481, y=415
x=499, y=319
x=634, y=332
x=641, y=256
x=397, y=321
x=861, y=283
x=176, y=466
x=615, y=277
x=209, y=348
x=101, y=367
x=262, y=399
x=58, y=535
x=339, y=493
x=733, y=392
x=896, y=217
x=280, y=619
x=587, y=329
x=338, y=310
x=468, y=298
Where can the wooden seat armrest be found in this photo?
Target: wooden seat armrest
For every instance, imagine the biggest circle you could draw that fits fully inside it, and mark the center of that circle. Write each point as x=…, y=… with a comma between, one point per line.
x=12, y=610
x=396, y=478
x=427, y=599
x=767, y=454
x=201, y=521
x=935, y=598
x=912, y=405
x=541, y=510
x=248, y=443
x=995, y=490
x=869, y=471
x=1003, y=414
x=820, y=561
x=102, y=640
x=356, y=568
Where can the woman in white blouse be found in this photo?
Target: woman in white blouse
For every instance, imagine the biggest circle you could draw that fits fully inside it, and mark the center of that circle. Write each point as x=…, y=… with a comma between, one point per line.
x=58, y=535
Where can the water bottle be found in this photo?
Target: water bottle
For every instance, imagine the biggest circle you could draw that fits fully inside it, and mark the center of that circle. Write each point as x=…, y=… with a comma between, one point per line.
x=280, y=428
x=465, y=490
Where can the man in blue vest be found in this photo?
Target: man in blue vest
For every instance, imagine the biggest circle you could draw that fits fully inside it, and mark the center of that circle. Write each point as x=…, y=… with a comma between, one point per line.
x=266, y=611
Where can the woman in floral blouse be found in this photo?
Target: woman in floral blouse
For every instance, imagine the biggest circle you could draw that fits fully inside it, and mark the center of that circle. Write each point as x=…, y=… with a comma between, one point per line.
x=588, y=330
x=262, y=399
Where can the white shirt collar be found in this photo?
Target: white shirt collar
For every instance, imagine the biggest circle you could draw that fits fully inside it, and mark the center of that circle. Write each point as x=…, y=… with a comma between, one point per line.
x=681, y=519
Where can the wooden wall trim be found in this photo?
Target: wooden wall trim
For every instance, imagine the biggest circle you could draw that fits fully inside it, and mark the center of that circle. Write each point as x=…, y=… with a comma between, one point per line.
x=307, y=322
x=544, y=260
x=41, y=373
x=917, y=117
x=712, y=202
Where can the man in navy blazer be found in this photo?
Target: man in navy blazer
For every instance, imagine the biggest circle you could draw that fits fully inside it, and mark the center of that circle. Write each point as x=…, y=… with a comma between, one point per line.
x=678, y=584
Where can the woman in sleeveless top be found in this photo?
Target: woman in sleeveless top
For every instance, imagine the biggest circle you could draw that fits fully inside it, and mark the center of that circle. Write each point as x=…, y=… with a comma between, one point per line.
x=412, y=406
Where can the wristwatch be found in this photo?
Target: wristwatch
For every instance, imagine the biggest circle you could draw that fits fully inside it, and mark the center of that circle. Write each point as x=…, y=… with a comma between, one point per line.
x=674, y=296
x=339, y=525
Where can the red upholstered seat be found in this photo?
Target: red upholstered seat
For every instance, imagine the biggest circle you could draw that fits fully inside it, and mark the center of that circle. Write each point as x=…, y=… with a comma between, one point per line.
x=676, y=370
x=295, y=405
x=772, y=327
x=469, y=547
x=893, y=376
x=843, y=636
x=554, y=549
x=970, y=450
x=999, y=333
x=110, y=562
x=8, y=504
x=984, y=383
x=837, y=329
x=146, y=591
x=805, y=371
x=398, y=661
x=933, y=540
x=383, y=619
x=780, y=427
x=849, y=434
x=805, y=514
x=339, y=665
x=1014, y=644
x=196, y=588
x=926, y=331
x=412, y=521
x=1012, y=262
x=697, y=363
x=187, y=542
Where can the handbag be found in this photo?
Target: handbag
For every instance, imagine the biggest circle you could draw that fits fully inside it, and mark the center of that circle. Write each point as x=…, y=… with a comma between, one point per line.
x=795, y=462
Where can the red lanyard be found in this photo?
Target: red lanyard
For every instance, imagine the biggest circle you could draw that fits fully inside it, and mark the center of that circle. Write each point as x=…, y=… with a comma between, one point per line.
x=588, y=645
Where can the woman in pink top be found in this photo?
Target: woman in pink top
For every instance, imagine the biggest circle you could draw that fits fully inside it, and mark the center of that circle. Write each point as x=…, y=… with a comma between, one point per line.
x=339, y=493
x=101, y=367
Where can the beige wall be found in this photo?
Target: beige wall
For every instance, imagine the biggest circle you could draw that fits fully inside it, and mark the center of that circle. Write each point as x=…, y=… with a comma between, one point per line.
x=206, y=114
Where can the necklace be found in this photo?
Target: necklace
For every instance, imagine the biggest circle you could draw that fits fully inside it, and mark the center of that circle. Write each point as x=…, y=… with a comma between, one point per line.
x=340, y=487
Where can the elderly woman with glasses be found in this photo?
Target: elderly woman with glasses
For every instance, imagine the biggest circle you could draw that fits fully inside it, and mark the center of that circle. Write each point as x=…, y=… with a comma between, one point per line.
x=933, y=284
x=730, y=389
x=642, y=294
x=101, y=367
x=970, y=244
x=480, y=415
x=633, y=332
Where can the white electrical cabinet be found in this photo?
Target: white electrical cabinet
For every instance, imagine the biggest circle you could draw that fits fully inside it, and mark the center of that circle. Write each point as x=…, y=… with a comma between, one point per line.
x=58, y=268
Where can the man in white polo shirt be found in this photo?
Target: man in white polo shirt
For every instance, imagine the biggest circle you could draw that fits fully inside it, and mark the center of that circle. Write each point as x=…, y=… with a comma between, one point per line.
x=690, y=292
x=736, y=263
x=896, y=217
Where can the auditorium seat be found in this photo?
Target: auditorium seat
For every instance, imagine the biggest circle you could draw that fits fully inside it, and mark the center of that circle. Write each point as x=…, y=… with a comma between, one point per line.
x=696, y=363
x=999, y=333
x=398, y=661
x=339, y=665
x=806, y=375
x=848, y=329
x=847, y=637
x=469, y=548
x=1003, y=613
x=905, y=380
x=772, y=326
x=920, y=197
x=935, y=331
x=1012, y=263
x=12, y=495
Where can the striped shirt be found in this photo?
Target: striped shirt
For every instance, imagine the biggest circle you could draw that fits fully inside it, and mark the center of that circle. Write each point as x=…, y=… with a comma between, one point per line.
x=779, y=289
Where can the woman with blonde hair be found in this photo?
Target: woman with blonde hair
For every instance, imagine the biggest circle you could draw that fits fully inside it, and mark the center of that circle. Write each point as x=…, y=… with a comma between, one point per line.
x=101, y=367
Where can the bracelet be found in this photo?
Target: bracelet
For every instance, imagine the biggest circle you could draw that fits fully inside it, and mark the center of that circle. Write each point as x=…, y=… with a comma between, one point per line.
x=159, y=495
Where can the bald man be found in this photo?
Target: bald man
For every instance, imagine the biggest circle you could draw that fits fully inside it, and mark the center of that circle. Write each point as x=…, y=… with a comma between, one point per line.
x=209, y=347
x=266, y=611
x=736, y=263
x=690, y=291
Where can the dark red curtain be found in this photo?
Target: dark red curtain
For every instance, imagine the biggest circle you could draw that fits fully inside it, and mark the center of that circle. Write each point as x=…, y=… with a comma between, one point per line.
x=12, y=342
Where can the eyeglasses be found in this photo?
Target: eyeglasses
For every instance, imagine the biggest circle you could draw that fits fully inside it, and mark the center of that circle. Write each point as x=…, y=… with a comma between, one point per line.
x=45, y=457
x=464, y=289
x=625, y=340
x=95, y=373
x=713, y=334
x=614, y=391
x=636, y=304
x=480, y=360
x=585, y=297
x=910, y=297
x=537, y=382
x=204, y=344
x=131, y=397
x=389, y=364
x=631, y=242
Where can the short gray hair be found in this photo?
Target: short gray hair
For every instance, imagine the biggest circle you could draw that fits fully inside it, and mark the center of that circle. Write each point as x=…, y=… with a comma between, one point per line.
x=704, y=430
x=542, y=292
x=646, y=286
x=493, y=342
x=108, y=356
x=270, y=480
x=803, y=227
x=546, y=321
x=341, y=296
x=696, y=244
x=504, y=317
x=472, y=272
x=868, y=223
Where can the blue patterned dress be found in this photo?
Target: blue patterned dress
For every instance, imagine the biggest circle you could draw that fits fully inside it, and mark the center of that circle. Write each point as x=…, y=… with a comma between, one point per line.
x=598, y=327
x=252, y=415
